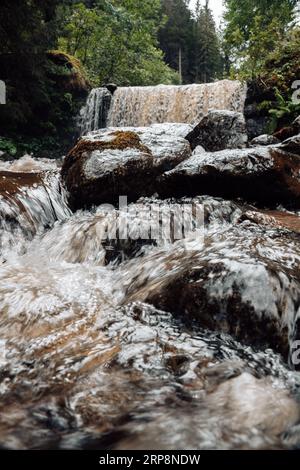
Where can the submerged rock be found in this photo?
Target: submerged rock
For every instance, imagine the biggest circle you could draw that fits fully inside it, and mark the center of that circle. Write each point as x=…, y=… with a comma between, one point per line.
x=264, y=175
x=219, y=130
x=121, y=162
x=29, y=203
x=243, y=280
x=277, y=219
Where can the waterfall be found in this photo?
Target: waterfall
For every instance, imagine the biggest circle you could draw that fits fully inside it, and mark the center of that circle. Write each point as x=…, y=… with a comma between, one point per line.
x=93, y=115
x=144, y=105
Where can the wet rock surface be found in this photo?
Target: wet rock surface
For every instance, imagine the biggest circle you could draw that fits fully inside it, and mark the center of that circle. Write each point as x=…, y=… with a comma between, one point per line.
x=106, y=165
x=266, y=175
x=243, y=281
x=219, y=130
x=277, y=219
x=264, y=139
x=288, y=132
x=292, y=145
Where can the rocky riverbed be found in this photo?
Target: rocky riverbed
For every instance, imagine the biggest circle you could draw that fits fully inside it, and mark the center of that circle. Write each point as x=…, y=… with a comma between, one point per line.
x=152, y=342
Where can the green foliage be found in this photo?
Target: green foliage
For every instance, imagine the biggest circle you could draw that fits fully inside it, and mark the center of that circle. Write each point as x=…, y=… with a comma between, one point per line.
x=195, y=38
x=283, y=111
x=176, y=36
x=27, y=26
x=44, y=147
x=262, y=41
x=276, y=80
x=282, y=65
x=254, y=28
x=44, y=89
x=8, y=146
x=116, y=42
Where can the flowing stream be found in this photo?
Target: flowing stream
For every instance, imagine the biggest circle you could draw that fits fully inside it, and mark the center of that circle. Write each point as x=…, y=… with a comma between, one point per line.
x=87, y=361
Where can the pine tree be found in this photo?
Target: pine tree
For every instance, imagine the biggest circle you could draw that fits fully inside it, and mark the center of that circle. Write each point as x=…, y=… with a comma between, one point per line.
x=176, y=37
x=208, y=62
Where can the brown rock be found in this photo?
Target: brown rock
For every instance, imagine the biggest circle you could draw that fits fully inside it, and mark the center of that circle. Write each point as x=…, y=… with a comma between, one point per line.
x=243, y=280
x=265, y=175
x=120, y=162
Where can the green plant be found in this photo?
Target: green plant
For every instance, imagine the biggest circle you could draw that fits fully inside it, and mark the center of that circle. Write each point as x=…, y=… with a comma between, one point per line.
x=285, y=110
x=8, y=146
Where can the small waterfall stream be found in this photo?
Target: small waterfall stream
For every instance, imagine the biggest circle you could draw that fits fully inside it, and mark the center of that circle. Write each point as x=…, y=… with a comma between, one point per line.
x=142, y=106
x=87, y=358
x=94, y=114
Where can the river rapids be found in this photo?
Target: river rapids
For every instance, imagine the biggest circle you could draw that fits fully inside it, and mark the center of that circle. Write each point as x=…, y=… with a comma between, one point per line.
x=87, y=361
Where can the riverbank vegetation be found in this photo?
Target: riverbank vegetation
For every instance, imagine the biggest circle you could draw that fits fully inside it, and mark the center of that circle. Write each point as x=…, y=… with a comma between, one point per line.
x=52, y=52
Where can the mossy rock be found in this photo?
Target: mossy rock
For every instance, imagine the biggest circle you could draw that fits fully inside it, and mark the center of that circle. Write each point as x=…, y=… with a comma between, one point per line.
x=74, y=80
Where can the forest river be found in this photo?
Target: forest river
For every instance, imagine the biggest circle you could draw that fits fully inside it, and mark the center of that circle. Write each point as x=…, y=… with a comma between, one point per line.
x=89, y=359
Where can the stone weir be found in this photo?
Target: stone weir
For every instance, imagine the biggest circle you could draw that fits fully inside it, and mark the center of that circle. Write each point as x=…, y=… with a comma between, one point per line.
x=143, y=106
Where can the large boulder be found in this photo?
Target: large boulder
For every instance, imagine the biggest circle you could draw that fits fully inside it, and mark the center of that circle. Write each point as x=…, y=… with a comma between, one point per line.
x=219, y=130
x=243, y=280
x=265, y=175
x=122, y=162
x=166, y=141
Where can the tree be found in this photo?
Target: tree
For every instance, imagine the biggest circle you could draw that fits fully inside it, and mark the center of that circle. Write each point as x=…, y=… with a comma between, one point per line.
x=117, y=41
x=41, y=98
x=27, y=26
x=208, y=61
x=253, y=29
x=176, y=37
x=27, y=31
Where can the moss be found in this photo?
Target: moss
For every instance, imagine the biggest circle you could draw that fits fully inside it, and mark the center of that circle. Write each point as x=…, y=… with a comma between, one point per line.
x=75, y=80
x=133, y=177
x=123, y=140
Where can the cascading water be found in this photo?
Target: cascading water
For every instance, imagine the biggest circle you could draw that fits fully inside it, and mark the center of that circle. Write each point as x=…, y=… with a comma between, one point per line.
x=142, y=106
x=88, y=356
x=32, y=200
x=94, y=114
x=82, y=359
